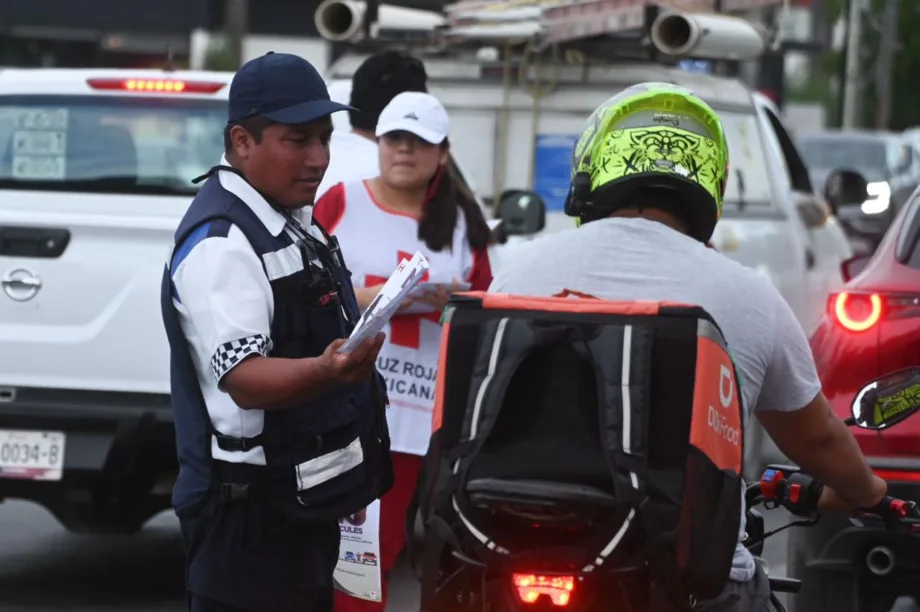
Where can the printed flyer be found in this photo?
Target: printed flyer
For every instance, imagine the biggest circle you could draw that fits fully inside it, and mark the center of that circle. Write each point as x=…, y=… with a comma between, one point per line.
x=358, y=571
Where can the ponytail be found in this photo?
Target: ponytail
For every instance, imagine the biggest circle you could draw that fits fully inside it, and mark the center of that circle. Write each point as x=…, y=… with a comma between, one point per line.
x=436, y=228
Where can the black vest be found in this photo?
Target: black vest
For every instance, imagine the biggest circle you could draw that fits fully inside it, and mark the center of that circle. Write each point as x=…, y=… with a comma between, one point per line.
x=325, y=459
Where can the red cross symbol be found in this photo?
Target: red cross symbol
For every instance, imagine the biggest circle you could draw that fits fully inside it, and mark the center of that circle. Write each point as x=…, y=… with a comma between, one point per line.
x=405, y=330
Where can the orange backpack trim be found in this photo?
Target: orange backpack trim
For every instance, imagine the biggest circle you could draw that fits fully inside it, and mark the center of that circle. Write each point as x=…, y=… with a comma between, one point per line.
x=437, y=414
x=715, y=427
x=504, y=301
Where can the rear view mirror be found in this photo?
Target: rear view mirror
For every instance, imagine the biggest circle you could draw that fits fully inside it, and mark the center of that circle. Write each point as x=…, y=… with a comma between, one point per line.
x=850, y=268
x=888, y=400
x=846, y=188
x=522, y=212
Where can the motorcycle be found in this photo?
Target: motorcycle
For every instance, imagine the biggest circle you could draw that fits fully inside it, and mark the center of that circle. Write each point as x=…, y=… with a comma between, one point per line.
x=879, y=405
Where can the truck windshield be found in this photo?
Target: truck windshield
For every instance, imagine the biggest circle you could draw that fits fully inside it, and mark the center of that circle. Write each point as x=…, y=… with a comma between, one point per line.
x=748, y=176
x=108, y=144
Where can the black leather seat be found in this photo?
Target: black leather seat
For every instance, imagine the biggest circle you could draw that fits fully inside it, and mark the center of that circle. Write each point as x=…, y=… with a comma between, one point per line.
x=540, y=499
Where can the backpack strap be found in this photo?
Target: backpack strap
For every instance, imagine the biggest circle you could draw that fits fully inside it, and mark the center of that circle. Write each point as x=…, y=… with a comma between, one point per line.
x=623, y=393
x=623, y=396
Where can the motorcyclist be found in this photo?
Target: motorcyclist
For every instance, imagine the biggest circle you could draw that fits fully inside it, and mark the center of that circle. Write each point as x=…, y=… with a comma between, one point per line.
x=648, y=179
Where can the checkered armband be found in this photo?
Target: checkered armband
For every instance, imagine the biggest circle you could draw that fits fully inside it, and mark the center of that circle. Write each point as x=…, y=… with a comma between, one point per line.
x=230, y=354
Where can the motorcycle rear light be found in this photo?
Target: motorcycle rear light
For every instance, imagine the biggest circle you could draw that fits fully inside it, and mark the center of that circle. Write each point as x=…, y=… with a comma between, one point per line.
x=531, y=587
x=857, y=312
x=173, y=86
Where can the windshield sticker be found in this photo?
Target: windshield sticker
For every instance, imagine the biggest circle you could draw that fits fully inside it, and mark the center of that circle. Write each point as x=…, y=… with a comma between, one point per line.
x=40, y=144
x=42, y=119
x=39, y=168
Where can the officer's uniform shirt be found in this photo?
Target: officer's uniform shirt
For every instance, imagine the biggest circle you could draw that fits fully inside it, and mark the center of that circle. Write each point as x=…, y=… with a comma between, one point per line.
x=225, y=307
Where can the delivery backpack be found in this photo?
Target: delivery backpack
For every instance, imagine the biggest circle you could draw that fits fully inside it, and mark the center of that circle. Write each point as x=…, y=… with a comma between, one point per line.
x=597, y=434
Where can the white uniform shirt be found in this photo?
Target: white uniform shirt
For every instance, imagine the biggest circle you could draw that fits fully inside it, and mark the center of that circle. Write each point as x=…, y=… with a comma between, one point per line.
x=225, y=307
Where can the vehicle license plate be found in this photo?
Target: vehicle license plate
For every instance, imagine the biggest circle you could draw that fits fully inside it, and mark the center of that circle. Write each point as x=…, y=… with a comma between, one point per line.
x=31, y=455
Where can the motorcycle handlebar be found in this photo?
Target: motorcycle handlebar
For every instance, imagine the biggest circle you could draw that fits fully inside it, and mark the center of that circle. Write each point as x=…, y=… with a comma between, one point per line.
x=799, y=494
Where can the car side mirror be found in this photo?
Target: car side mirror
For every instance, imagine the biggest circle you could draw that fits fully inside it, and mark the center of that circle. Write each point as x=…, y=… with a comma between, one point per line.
x=850, y=268
x=888, y=400
x=846, y=188
x=811, y=210
x=522, y=212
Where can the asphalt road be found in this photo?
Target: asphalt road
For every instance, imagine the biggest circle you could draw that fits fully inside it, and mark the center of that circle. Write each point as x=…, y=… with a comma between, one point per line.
x=45, y=569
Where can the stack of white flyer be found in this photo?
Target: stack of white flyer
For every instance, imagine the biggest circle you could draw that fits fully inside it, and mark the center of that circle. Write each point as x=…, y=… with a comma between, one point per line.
x=407, y=275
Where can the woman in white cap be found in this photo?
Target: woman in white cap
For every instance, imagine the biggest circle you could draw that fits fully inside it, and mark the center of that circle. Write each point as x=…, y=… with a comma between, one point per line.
x=416, y=204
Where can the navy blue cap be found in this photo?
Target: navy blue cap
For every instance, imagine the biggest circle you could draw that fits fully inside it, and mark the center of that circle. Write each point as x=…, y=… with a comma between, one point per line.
x=282, y=87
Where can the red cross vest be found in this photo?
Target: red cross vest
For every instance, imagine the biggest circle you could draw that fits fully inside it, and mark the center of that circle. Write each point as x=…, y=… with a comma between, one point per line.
x=374, y=239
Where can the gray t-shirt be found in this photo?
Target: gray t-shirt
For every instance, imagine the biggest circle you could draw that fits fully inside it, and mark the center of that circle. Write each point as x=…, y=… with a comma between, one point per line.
x=639, y=259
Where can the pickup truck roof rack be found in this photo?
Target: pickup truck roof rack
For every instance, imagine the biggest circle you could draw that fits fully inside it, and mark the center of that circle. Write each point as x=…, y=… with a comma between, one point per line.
x=561, y=21
x=678, y=28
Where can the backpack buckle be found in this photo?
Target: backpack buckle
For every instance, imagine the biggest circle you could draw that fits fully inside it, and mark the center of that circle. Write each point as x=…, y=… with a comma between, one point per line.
x=232, y=491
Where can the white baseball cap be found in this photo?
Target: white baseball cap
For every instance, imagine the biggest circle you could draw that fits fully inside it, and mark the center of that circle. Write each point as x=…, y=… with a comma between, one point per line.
x=418, y=113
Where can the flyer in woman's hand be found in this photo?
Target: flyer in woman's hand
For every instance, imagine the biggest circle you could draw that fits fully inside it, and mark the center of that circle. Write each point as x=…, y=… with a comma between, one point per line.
x=407, y=275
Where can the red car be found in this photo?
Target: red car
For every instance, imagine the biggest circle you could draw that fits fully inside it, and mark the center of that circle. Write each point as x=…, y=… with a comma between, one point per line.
x=870, y=328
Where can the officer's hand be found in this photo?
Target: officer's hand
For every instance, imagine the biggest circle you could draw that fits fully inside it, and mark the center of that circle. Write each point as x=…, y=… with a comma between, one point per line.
x=355, y=366
x=358, y=518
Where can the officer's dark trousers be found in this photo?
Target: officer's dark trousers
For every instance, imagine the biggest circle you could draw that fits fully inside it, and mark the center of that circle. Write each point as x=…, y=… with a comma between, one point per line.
x=250, y=557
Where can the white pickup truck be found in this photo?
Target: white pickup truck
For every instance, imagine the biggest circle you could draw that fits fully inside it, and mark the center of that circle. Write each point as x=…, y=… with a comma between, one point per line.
x=95, y=170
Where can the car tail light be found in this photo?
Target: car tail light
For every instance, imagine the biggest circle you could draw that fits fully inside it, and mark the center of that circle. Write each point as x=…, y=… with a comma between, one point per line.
x=174, y=86
x=531, y=587
x=859, y=312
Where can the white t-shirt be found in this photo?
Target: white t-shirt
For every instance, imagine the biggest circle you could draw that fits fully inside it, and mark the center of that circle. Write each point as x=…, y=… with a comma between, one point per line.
x=351, y=158
x=374, y=239
x=638, y=259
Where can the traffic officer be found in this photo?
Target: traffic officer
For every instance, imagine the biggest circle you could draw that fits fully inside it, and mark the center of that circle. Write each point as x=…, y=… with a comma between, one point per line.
x=278, y=433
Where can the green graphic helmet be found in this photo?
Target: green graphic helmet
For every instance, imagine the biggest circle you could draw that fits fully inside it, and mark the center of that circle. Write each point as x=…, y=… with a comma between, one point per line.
x=651, y=135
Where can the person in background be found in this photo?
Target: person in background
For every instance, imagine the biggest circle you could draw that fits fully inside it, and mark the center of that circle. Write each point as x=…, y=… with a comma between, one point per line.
x=353, y=154
x=416, y=204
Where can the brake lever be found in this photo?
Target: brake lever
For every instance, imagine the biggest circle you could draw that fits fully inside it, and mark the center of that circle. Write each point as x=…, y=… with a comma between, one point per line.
x=906, y=521
x=866, y=520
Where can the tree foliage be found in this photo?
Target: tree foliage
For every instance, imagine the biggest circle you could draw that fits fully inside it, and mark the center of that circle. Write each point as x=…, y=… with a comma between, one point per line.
x=906, y=93
x=905, y=107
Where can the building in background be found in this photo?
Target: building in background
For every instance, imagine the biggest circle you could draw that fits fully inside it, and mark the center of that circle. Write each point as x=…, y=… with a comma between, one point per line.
x=141, y=33
x=116, y=33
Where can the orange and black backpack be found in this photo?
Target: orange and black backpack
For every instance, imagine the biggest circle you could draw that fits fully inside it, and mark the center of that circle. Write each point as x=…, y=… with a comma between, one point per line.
x=594, y=434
